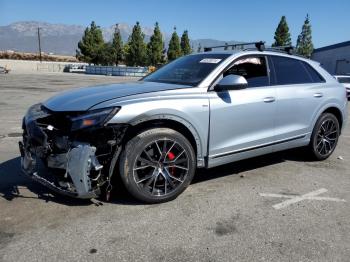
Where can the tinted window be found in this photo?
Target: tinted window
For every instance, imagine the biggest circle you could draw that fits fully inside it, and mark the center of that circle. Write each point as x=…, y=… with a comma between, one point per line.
x=316, y=77
x=254, y=69
x=344, y=80
x=187, y=70
x=290, y=71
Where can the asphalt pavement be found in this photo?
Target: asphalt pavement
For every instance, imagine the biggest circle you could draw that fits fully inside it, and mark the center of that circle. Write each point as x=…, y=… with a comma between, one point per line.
x=280, y=207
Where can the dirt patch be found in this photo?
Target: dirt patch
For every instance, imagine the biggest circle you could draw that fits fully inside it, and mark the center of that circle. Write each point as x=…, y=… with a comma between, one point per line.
x=226, y=227
x=14, y=134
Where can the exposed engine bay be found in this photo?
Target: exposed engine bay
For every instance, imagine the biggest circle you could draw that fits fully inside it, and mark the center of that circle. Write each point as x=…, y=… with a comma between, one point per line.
x=68, y=155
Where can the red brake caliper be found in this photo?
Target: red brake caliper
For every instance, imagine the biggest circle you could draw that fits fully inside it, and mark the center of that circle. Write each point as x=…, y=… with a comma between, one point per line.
x=171, y=157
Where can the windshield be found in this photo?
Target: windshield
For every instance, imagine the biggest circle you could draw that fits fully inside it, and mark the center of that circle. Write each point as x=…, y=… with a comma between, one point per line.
x=187, y=70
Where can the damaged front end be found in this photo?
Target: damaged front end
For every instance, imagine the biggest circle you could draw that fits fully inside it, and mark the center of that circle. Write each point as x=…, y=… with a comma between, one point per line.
x=70, y=152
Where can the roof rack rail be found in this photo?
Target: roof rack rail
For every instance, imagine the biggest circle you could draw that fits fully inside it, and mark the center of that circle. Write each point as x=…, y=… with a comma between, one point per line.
x=287, y=49
x=282, y=49
x=260, y=45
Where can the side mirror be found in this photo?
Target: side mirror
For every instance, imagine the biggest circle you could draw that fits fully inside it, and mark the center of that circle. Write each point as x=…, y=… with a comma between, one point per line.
x=231, y=82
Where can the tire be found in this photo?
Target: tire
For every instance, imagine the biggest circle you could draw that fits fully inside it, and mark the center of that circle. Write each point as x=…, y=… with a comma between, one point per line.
x=157, y=165
x=324, y=137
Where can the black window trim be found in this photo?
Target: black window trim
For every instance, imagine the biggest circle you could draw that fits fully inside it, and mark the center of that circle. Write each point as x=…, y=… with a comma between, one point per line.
x=304, y=64
x=211, y=86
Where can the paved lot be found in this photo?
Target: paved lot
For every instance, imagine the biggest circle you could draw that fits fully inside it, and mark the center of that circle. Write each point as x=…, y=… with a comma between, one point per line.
x=222, y=216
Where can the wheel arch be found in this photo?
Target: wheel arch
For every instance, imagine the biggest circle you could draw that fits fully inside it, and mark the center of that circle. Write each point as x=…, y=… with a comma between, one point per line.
x=336, y=112
x=332, y=108
x=176, y=123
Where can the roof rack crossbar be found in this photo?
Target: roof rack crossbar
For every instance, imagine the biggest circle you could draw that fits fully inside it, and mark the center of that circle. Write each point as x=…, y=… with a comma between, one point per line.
x=260, y=45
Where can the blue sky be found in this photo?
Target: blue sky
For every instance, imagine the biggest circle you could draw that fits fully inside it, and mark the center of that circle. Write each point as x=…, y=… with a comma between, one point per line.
x=218, y=19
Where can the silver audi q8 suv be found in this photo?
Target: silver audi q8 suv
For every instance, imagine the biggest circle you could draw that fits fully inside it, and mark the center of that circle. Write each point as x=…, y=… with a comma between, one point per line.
x=199, y=111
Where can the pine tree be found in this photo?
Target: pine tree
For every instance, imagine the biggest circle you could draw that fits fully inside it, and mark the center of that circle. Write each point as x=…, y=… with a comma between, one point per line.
x=174, y=50
x=136, y=55
x=91, y=44
x=117, y=46
x=304, y=43
x=282, y=35
x=105, y=55
x=155, y=47
x=185, y=44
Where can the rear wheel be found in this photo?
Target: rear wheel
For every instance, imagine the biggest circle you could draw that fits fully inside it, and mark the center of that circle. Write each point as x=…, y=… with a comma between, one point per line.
x=325, y=136
x=157, y=165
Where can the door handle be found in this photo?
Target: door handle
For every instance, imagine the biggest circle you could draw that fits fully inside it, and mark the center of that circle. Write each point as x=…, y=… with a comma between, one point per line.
x=318, y=95
x=269, y=99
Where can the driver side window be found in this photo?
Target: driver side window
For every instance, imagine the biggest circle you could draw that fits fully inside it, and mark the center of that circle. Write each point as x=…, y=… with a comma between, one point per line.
x=253, y=68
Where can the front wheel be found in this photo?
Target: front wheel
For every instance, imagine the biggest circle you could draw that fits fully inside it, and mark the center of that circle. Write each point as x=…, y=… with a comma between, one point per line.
x=325, y=136
x=157, y=165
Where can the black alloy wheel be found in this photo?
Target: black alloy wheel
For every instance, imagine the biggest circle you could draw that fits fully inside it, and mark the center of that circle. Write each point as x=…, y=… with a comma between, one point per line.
x=157, y=165
x=325, y=136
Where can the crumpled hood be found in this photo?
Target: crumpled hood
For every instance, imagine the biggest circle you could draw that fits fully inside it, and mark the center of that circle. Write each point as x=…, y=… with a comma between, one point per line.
x=81, y=99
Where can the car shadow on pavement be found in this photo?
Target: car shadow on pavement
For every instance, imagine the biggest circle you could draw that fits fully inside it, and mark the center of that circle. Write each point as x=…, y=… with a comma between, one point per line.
x=235, y=168
x=12, y=180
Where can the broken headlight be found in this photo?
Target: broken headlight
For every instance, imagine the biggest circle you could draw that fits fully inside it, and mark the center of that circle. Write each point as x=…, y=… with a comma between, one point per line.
x=93, y=118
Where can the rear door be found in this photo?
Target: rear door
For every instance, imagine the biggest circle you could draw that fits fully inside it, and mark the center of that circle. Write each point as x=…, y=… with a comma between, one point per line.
x=299, y=92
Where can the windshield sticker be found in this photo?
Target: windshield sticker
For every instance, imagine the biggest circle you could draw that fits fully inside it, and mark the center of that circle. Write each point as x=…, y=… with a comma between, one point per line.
x=210, y=60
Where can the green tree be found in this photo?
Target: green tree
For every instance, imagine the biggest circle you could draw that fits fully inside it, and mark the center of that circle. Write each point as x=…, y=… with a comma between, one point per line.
x=304, y=43
x=155, y=47
x=105, y=55
x=136, y=49
x=91, y=44
x=117, y=46
x=282, y=35
x=174, y=50
x=185, y=44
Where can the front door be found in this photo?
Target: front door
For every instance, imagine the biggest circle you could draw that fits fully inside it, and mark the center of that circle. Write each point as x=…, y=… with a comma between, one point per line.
x=242, y=121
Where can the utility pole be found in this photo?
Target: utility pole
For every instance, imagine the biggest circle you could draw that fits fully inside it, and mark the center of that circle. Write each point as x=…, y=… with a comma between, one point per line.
x=39, y=44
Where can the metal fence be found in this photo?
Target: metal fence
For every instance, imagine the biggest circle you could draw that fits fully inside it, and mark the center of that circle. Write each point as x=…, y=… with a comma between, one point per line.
x=117, y=70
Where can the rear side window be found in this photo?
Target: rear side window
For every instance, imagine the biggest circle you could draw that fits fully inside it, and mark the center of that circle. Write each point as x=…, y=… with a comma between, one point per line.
x=290, y=71
x=316, y=77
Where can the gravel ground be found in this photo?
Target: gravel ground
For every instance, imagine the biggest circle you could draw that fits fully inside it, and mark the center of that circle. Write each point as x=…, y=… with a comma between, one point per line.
x=220, y=217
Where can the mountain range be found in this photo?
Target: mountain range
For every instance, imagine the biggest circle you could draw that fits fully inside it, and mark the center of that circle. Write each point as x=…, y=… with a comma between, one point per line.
x=63, y=39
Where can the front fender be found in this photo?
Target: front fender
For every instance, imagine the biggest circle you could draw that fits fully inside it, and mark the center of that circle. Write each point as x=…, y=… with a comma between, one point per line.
x=192, y=113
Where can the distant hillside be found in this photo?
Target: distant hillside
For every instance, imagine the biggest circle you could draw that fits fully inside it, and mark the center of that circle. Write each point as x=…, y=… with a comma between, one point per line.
x=63, y=39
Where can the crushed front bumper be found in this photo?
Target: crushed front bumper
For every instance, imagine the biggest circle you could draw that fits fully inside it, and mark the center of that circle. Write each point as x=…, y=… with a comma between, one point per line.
x=72, y=164
x=78, y=163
